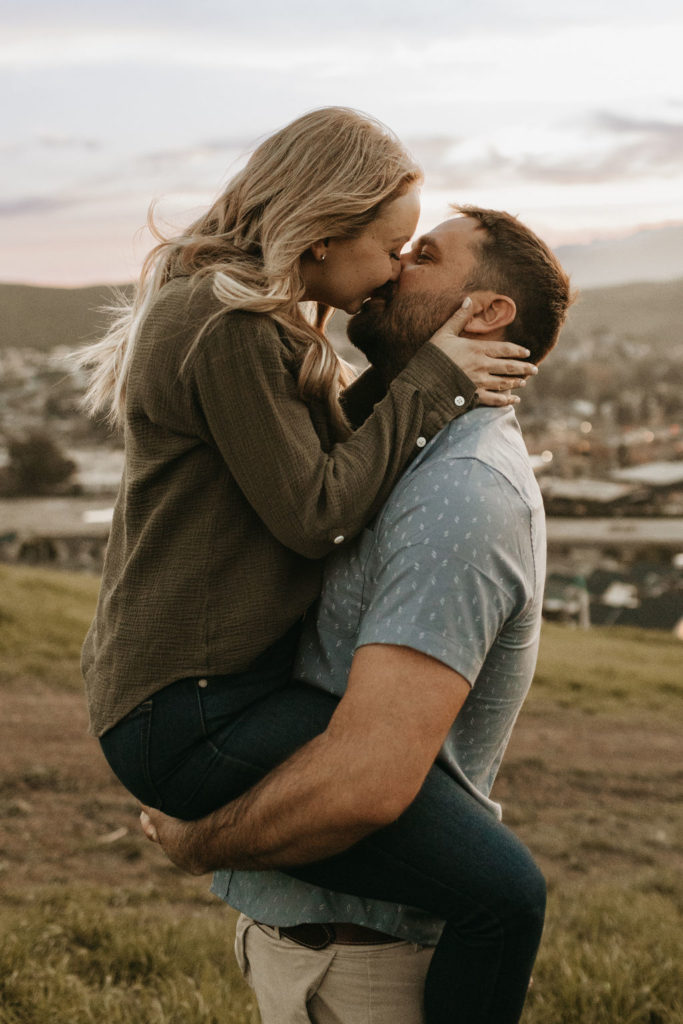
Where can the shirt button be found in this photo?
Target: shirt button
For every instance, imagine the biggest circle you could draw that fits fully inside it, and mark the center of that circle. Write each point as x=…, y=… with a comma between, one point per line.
x=459, y=400
x=421, y=442
x=339, y=539
x=203, y=683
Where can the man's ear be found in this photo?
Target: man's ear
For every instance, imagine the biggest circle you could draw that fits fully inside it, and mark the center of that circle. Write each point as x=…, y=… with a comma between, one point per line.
x=492, y=313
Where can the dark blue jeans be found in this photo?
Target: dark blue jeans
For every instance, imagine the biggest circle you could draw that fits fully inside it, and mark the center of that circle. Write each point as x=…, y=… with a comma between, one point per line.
x=445, y=854
x=180, y=749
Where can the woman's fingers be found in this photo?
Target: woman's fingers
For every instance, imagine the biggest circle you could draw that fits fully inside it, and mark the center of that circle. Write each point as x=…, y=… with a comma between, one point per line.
x=489, y=397
x=511, y=368
x=449, y=333
x=457, y=322
x=495, y=383
x=504, y=349
x=491, y=365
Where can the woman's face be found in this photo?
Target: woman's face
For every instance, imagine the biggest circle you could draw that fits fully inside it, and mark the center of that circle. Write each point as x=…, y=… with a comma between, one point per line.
x=354, y=267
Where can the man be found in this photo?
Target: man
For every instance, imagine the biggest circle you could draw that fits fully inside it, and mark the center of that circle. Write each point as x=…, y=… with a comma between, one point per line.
x=433, y=615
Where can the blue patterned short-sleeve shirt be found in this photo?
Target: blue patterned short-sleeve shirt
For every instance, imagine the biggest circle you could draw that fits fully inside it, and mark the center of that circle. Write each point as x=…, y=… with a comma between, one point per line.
x=453, y=567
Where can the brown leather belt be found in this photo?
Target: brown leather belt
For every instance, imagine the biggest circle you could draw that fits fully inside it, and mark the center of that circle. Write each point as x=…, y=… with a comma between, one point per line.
x=319, y=936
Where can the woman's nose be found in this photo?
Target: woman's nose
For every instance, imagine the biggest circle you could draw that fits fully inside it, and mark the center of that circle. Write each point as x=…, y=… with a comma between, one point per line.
x=396, y=268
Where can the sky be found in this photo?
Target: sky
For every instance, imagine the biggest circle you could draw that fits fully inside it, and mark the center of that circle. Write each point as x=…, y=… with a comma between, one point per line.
x=569, y=115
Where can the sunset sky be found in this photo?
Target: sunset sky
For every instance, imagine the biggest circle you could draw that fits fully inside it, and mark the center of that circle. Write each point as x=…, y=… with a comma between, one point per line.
x=573, y=120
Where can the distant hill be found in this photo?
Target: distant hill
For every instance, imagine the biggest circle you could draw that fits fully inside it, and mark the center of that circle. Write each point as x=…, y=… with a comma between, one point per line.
x=648, y=313
x=654, y=254
x=42, y=318
x=651, y=313
x=45, y=317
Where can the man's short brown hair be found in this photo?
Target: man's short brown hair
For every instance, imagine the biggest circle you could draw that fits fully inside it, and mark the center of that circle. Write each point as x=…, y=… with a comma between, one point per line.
x=514, y=261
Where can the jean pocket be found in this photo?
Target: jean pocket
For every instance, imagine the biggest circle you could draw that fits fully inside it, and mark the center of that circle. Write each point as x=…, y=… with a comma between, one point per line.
x=139, y=712
x=126, y=748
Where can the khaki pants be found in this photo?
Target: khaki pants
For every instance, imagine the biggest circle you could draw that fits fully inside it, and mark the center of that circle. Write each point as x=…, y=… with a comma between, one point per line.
x=359, y=984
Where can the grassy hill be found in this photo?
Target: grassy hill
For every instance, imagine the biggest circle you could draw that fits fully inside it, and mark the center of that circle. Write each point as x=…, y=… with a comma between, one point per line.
x=44, y=616
x=44, y=317
x=96, y=925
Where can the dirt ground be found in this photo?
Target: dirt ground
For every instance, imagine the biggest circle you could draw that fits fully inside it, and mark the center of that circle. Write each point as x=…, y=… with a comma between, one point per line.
x=591, y=795
x=65, y=816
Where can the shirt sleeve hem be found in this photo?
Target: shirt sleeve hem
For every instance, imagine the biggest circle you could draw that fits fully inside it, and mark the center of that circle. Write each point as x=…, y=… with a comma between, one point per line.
x=454, y=655
x=447, y=391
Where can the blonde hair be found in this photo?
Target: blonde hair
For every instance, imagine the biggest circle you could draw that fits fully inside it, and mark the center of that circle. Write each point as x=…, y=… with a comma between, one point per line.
x=325, y=175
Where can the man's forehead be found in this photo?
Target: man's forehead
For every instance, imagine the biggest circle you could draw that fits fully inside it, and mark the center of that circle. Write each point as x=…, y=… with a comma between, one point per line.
x=455, y=228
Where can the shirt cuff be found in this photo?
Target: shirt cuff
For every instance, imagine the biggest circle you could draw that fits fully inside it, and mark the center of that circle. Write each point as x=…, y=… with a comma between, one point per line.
x=446, y=390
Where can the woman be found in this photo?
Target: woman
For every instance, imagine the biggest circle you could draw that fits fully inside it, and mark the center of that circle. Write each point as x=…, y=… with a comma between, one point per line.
x=241, y=469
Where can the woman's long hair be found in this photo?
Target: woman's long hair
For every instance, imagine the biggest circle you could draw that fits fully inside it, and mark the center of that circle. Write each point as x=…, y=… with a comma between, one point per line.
x=325, y=175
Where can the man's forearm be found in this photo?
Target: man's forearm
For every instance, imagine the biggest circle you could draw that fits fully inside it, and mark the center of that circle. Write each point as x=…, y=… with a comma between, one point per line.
x=356, y=777
x=296, y=815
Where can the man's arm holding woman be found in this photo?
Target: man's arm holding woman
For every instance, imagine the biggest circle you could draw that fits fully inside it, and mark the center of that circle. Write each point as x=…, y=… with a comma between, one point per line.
x=356, y=777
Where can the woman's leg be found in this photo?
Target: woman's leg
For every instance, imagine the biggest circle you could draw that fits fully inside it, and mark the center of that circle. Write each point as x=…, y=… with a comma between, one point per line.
x=182, y=750
x=446, y=854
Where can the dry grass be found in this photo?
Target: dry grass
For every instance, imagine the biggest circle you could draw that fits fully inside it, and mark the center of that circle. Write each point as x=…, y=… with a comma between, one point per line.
x=96, y=926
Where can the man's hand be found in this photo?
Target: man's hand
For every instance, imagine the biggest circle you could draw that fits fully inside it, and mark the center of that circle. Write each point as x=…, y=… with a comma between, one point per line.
x=181, y=841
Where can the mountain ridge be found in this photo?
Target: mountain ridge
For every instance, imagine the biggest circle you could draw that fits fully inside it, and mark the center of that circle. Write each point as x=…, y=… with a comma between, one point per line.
x=647, y=255
x=32, y=316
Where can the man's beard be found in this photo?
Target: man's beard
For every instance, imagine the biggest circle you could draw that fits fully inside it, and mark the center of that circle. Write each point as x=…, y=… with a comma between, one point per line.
x=390, y=328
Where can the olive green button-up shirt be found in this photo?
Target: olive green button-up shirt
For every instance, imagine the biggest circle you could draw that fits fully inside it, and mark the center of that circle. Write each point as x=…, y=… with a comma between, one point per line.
x=233, y=492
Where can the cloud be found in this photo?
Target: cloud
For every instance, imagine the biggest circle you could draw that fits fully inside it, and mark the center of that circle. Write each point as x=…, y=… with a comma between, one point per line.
x=607, y=147
x=68, y=142
x=20, y=147
x=168, y=46
x=268, y=18
x=26, y=205
x=651, y=145
x=163, y=159
x=631, y=161
x=618, y=124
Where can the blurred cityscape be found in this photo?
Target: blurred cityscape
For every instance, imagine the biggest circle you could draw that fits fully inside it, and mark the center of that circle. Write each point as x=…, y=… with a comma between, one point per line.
x=603, y=423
